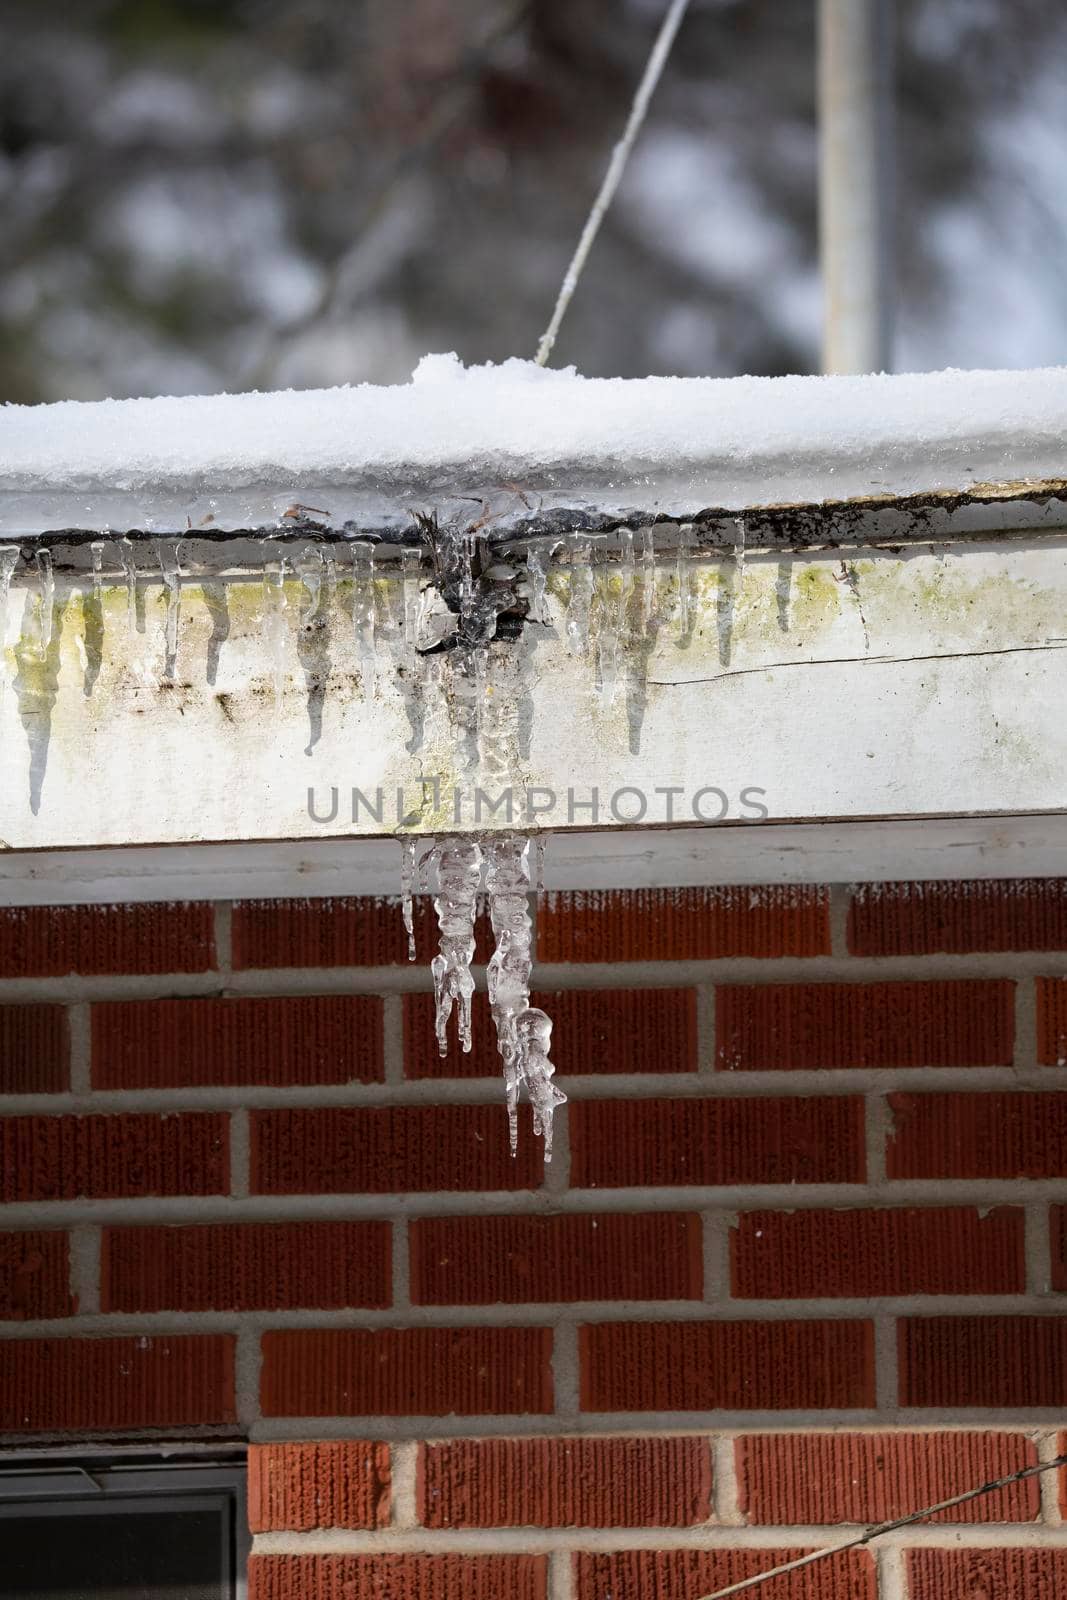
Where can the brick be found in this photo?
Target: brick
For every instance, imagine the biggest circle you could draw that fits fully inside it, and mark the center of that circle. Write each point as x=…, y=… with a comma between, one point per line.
x=34, y=1050
x=619, y=1143
x=34, y=1276
x=342, y=1483
x=812, y=1255
x=726, y=1366
x=164, y=1044
x=564, y=1483
x=1026, y=1574
x=692, y=1574
x=593, y=1031
x=983, y=1361
x=809, y=1478
x=75, y=1385
x=1051, y=996
x=999, y=1135
x=916, y=919
x=353, y=932
x=490, y=1260
x=111, y=1157
x=396, y=1372
x=390, y=1150
x=1061, y=1475
x=1058, y=1240
x=791, y=1027
x=701, y=924
x=407, y=1577
x=50, y=941
x=253, y=1266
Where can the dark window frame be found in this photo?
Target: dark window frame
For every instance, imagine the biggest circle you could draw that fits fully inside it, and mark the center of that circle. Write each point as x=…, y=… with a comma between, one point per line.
x=109, y=1486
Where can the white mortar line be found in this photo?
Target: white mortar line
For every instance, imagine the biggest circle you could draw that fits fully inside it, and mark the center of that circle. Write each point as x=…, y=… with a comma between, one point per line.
x=1038, y=1248
x=405, y=979
x=891, y=1577
x=338, y=1541
x=78, y=1022
x=240, y=1152
x=223, y=936
x=561, y=1576
x=823, y=1084
x=725, y=1490
x=885, y=1361
x=878, y=1126
x=1048, y=1448
x=393, y=1039
x=717, y=1226
x=401, y=1266
x=403, y=1464
x=642, y=1423
x=246, y=1372
x=562, y=1316
x=533, y=1202
x=85, y=1246
x=840, y=900
x=566, y=1379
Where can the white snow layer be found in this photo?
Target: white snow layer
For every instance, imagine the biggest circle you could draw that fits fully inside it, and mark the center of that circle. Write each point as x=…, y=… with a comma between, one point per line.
x=734, y=441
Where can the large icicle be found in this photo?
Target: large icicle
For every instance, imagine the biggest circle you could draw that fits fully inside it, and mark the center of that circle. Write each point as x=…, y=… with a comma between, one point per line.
x=129, y=567
x=47, y=600
x=523, y=1031
x=276, y=625
x=9, y=555
x=170, y=566
x=407, y=882
x=363, y=607
x=580, y=598
x=459, y=873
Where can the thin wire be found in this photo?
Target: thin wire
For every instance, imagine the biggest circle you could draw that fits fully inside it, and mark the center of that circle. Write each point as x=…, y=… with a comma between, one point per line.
x=885, y=1527
x=619, y=157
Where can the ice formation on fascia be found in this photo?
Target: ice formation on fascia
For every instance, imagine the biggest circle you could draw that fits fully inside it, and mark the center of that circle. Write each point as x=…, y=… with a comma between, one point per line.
x=523, y=1032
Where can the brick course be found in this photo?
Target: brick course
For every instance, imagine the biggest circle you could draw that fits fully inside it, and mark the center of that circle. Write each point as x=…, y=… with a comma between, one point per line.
x=338, y=1484
x=683, y=924
x=34, y=1050
x=102, y=1157
x=113, y=1385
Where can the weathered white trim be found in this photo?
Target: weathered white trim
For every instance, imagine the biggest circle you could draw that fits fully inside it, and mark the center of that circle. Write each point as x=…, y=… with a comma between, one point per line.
x=752, y=853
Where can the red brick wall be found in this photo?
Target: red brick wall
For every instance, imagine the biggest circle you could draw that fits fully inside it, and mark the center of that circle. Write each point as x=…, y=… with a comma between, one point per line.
x=800, y=1261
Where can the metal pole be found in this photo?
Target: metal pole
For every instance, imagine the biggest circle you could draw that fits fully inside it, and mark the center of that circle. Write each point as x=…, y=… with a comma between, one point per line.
x=855, y=163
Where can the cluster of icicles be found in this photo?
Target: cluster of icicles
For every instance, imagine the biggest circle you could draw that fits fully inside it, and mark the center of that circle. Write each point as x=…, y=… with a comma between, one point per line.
x=523, y=1032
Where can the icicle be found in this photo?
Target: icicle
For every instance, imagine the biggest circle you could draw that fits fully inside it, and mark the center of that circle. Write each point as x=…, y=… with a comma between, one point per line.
x=459, y=872
x=538, y=560
x=783, y=593
x=276, y=628
x=310, y=571
x=682, y=567
x=648, y=579
x=541, y=846
x=363, y=607
x=9, y=555
x=523, y=1032
x=96, y=550
x=580, y=599
x=411, y=567
x=407, y=879
x=169, y=555
x=47, y=599
x=739, y=555
x=129, y=567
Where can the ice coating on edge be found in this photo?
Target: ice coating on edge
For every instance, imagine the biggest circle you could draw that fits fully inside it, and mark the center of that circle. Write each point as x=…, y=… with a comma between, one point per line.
x=407, y=882
x=459, y=874
x=523, y=1032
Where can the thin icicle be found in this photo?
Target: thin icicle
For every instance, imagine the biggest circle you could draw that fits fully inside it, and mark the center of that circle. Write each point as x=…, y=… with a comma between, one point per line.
x=538, y=561
x=129, y=567
x=96, y=551
x=47, y=599
x=523, y=1031
x=739, y=555
x=648, y=579
x=276, y=626
x=311, y=571
x=783, y=593
x=683, y=572
x=580, y=599
x=363, y=606
x=540, y=847
x=407, y=879
x=459, y=872
x=169, y=555
x=9, y=556
x=411, y=567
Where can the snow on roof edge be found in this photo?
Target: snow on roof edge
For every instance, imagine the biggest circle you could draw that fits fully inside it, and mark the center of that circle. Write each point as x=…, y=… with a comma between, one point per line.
x=453, y=425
